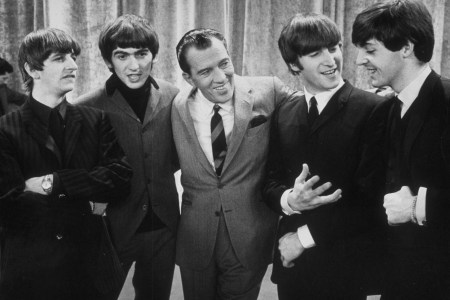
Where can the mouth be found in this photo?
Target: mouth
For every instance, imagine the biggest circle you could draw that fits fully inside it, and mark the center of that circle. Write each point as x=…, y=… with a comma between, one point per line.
x=371, y=70
x=134, y=77
x=221, y=88
x=69, y=76
x=330, y=72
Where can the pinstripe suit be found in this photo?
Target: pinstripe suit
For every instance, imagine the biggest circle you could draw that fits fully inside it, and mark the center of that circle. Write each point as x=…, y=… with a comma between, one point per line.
x=49, y=246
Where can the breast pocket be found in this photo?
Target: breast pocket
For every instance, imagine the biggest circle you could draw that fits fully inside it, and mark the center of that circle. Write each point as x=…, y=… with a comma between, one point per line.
x=258, y=130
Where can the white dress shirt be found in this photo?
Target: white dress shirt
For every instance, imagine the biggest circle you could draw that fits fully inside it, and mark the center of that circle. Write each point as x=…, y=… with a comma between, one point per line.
x=408, y=95
x=303, y=232
x=201, y=110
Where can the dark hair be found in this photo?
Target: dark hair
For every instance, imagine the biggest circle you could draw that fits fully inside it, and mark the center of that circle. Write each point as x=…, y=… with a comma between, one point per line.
x=38, y=45
x=394, y=23
x=199, y=38
x=127, y=31
x=5, y=67
x=306, y=33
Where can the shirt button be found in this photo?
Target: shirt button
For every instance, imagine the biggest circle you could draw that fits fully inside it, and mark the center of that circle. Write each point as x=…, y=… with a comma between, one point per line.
x=60, y=196
x=144, y=207
x=220, y=185
x=59, y=236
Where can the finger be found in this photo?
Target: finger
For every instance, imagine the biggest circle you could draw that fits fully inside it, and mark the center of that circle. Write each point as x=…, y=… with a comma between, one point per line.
x=321, y=189
x=302, y=177
x=288, y=264
x=311, y=182
x=332, y=197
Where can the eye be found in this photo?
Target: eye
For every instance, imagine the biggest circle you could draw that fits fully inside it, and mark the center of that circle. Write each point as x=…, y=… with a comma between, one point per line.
x=332, y=49
x=224, y=64
x=142, y=54
x=204, y=73
x=121, y=56
x=312, y=54
x=74, y=57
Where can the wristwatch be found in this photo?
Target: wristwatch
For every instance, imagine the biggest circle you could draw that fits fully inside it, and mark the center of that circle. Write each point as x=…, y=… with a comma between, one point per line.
x=47, y=184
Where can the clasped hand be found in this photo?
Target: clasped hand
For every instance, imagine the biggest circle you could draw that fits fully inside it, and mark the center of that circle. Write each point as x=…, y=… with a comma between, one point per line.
x=304, y=197
x=398, y=206
x=290, y=248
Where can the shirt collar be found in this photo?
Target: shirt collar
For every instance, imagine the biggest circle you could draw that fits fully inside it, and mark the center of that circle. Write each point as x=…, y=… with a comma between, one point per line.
x=323, y=97
x=208, y=105
x=42, y=111
x=411, y=91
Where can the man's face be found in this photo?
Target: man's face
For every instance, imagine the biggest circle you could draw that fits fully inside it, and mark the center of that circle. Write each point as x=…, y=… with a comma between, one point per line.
x=4, y=78
x=322, y=69
x=58, y=74
x=382, y=65
x=132, y=65
x=212, y=72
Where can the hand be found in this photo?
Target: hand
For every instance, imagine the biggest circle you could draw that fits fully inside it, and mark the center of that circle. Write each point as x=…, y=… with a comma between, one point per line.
x=34, y=185
x=304, y=197
x=290, y=248
x=98, y=208
x=398, y=206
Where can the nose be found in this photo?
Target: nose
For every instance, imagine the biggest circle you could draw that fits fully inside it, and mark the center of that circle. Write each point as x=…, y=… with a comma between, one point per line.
x=133, y=65
x=219, y=75
x=71, y=63
x=360, y=59
x=328, y=58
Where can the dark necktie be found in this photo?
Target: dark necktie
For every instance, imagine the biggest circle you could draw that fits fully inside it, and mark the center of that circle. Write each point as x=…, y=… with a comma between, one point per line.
x=313, y=111
x=56, y=128
x=219, y=144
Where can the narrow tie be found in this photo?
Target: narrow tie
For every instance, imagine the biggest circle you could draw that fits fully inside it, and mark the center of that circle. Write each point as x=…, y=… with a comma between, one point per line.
x=219, y=144
x=56, y=128
x=313, y=111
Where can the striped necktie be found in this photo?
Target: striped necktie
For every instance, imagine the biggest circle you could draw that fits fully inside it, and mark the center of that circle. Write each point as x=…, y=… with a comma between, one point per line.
x=219, y=144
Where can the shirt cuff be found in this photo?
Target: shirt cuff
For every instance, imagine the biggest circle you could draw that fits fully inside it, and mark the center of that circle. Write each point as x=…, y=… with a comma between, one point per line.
x=420, y=206
x=305, y=237
x=287, y=210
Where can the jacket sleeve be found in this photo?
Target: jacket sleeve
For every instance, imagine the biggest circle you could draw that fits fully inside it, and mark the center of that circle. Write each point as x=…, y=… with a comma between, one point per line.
x=109, y=180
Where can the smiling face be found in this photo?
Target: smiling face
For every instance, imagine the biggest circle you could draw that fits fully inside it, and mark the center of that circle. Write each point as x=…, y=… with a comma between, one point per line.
x=383, y=66
x=321, y=69
x=211, y=71
x=57, y=76
x=132, y=65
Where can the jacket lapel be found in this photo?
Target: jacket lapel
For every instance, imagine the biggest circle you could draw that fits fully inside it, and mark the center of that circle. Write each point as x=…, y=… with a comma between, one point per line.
x=39, y=132
x=72, y=133
x=122, y=104
x=153, y=106
x=243, y=105
x=421, y=107
x=186, y=117
x=336, y=103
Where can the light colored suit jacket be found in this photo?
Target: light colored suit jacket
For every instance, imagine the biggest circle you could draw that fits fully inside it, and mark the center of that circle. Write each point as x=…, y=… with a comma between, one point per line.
x=150, y=151
x=250, y=223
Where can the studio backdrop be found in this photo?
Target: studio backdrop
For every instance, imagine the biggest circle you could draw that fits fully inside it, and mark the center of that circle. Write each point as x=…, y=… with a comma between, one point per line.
x=252, y=28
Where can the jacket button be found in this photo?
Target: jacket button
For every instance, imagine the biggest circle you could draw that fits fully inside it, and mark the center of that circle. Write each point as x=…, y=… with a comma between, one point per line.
x=220, y=185
x=60, y=196
x=59, y=236
x=217, y=213
x=144, y=207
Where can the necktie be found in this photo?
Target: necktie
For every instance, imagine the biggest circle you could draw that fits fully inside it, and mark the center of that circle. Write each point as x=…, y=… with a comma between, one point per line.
x=56, y=128
x=313, y=111
x=219, y=144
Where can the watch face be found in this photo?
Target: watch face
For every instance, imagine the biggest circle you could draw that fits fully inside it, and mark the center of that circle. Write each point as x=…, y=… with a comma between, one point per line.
x=46, y=185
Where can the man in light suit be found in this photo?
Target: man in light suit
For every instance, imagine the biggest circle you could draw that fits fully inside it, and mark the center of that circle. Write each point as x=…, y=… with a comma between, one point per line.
x=395, y=41
x=221, y=131
x=139, y=106
x=55, y=159
x=323, y=250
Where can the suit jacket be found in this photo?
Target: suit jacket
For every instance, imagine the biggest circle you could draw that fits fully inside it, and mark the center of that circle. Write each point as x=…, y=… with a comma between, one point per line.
x=151, y=152
x=251, y=225
x=10, y=100
x=49, y=245
x=341, y=148
x=425, y=159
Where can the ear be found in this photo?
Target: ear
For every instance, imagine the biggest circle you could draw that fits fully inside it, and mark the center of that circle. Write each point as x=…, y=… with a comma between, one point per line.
x=108, y=64
x=294, y=67
x=407, y=50
x=155, y=59
x=32, y=72
x=188, y=78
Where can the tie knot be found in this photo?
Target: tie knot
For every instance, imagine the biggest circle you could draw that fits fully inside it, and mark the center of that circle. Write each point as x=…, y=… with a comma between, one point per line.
x=313, y=101
x=216, y=108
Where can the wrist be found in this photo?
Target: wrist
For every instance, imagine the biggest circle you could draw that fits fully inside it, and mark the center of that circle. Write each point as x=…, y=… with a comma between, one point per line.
x=413, y=210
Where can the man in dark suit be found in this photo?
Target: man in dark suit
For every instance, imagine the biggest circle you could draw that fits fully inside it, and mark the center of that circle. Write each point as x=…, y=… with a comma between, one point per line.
x=57, y=163
x=395, y=41
x=328, y=131
x=139, y=106
x=221, y=131
x=10, y=100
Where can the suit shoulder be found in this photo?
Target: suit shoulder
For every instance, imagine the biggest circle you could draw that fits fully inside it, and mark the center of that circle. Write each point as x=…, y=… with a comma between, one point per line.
x=365, y=98
x=166, y=86
x=90, y=98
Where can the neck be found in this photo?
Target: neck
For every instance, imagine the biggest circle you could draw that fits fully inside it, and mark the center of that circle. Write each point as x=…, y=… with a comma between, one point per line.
x=407, y=75
x=48, y=99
